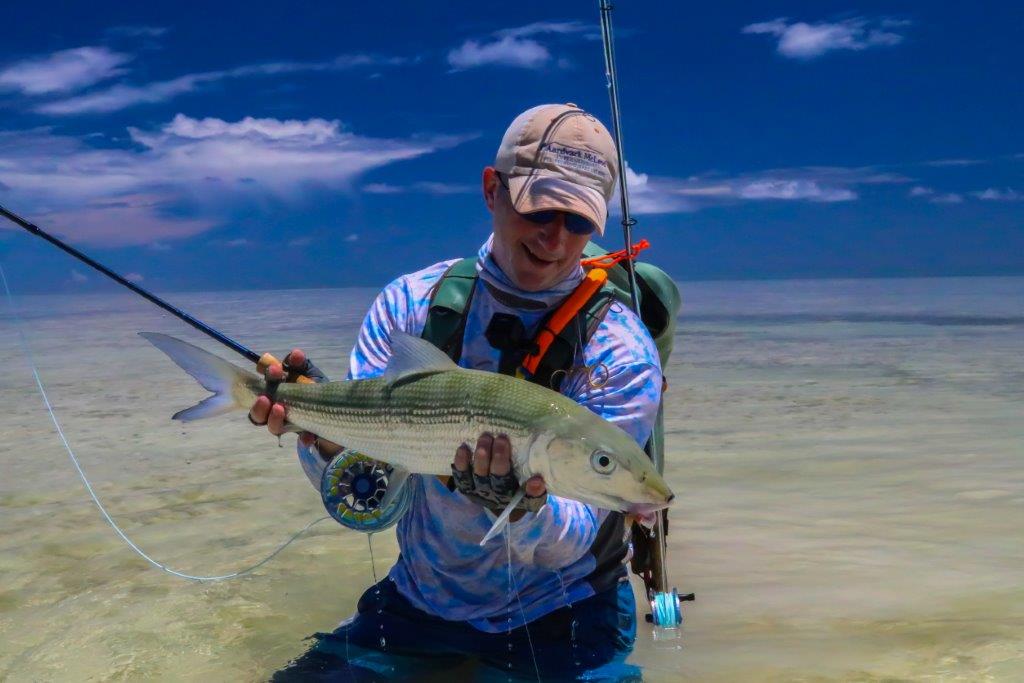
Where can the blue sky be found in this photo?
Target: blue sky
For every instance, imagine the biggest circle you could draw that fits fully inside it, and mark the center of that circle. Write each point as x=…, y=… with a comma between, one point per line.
x=228, y=145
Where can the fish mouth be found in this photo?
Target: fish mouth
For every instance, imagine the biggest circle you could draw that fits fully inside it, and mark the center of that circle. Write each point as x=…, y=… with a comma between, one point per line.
x=644, y=509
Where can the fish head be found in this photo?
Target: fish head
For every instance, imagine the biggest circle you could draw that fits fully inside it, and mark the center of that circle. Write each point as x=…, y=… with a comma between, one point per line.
x=588, y=459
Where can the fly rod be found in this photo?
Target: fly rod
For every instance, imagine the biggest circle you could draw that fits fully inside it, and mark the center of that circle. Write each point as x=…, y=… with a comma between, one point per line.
x=262, y=361
x=608, y=40
x=665, y=604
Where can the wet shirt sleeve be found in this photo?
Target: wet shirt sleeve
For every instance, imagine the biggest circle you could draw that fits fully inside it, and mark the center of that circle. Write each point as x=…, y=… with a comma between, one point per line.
x=401, y=305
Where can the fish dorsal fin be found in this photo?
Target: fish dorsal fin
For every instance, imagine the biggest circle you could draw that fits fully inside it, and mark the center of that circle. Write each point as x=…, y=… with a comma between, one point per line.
x=412, y=357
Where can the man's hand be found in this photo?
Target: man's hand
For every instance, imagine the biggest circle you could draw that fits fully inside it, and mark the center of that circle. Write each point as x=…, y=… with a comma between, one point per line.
x=485, y=475
x=275, y=415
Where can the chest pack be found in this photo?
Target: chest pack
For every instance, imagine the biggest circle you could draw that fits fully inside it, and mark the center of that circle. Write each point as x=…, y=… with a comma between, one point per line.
x=564, y=331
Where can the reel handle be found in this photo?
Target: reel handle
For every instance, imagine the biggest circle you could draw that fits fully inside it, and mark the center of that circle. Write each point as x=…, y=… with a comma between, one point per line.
x=267, y=359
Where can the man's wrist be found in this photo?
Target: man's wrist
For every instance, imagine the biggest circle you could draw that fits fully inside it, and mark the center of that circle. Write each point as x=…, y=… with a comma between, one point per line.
x=325, y=449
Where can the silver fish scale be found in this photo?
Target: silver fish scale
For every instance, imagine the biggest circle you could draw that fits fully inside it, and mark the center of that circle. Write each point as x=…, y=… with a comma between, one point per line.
x=418, y=423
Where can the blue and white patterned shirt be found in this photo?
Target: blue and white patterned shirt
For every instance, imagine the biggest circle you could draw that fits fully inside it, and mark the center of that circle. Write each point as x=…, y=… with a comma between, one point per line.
x=552, y=553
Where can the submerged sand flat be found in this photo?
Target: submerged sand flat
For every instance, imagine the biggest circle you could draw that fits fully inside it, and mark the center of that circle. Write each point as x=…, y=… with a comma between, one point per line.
x=847, y=454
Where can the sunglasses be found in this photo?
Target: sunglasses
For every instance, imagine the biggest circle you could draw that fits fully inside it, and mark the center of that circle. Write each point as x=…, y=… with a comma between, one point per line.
x=574, y=223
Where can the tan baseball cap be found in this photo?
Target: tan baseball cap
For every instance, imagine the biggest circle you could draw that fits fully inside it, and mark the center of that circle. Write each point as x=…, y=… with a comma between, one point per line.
x=557, y=156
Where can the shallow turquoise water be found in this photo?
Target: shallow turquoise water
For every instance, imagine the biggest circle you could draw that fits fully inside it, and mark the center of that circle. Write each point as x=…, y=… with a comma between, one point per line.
x=847, y=454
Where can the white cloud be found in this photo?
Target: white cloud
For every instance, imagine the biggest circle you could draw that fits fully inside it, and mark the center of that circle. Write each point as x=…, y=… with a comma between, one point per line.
x=993, y=194
x=381, y=188
x=776, y=188
x=432, y=187
x=237, y=242
x=78, y=277
x=133, y=220
x=123, y=96
x=134, y=277
x=507, y=51
x=425, y=186
x=801, y=40
x=940, y=163
x=63, y=71
x=352, y=237
x=543, y=27
x=652, y=196
x=818, y=184
x=187, y=176
x=922, y=192
x=514, y=47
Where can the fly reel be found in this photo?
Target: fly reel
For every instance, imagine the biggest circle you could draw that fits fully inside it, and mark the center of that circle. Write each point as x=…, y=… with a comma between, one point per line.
x=353, y=487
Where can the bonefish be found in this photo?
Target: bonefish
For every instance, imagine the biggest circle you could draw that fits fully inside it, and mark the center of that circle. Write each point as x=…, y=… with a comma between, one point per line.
x=416, y=414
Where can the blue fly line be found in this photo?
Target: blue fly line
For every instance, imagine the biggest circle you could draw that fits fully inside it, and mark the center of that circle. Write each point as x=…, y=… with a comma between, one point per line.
x=19, y=325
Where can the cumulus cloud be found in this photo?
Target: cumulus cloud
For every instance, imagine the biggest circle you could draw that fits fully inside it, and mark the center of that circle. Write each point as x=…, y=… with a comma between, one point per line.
x=994, y=194
x=513, y=47
x=801, y=40
x=122, y=96
x=186, y=176
x=63, y=71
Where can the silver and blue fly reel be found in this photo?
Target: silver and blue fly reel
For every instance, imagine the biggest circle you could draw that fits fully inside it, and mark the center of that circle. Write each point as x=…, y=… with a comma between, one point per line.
x=353, y=488
x=666, y=610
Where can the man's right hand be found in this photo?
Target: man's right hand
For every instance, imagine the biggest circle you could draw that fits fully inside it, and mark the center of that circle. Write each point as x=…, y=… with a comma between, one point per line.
x=274, y=415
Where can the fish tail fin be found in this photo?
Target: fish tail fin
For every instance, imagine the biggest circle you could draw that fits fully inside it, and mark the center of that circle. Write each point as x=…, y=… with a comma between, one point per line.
x=228, y=383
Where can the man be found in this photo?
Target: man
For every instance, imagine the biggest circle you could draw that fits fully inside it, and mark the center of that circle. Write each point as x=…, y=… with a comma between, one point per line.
x=553, y=599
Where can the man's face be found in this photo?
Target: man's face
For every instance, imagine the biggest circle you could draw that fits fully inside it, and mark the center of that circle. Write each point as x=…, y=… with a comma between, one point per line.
x=534, y=256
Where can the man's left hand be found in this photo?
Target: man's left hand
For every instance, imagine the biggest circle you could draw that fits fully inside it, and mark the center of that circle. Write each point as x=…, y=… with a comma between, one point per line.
x=485, y=475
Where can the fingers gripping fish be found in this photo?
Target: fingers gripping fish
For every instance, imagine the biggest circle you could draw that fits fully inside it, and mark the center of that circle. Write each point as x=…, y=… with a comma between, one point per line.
x=424, y=405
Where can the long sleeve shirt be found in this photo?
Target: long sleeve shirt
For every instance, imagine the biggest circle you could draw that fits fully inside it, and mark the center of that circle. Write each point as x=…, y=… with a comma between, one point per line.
x=561, y=554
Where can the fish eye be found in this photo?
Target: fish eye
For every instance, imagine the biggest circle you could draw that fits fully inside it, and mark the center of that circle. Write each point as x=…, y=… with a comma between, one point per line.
x=602, y=462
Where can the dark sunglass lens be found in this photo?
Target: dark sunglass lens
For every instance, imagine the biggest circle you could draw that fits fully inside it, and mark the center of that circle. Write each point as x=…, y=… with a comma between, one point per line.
x=541, y=217
x=578, y=224
x=573, y=223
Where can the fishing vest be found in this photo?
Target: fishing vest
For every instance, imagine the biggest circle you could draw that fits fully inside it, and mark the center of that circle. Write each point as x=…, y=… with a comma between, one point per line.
x=659, y=302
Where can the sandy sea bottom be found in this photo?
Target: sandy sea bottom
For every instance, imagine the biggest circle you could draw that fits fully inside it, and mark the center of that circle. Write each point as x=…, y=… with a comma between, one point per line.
x=847, y=456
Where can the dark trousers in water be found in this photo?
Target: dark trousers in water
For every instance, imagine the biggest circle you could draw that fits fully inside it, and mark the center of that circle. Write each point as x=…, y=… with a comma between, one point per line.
x=389, y=639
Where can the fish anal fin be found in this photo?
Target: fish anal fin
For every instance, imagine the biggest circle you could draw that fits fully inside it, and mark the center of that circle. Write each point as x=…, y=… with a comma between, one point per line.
x=502, y=519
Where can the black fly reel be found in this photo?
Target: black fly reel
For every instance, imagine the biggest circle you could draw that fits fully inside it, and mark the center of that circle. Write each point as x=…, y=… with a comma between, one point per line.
x=353, y=487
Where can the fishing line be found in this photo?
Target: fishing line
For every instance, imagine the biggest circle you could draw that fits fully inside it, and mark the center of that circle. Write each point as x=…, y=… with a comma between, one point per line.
x=514, y=586
x=19, y=326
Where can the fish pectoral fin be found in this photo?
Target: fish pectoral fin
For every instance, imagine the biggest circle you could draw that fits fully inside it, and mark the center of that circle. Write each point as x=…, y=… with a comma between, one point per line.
x=502, y=519
x=412, y=357
x=396, y=481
